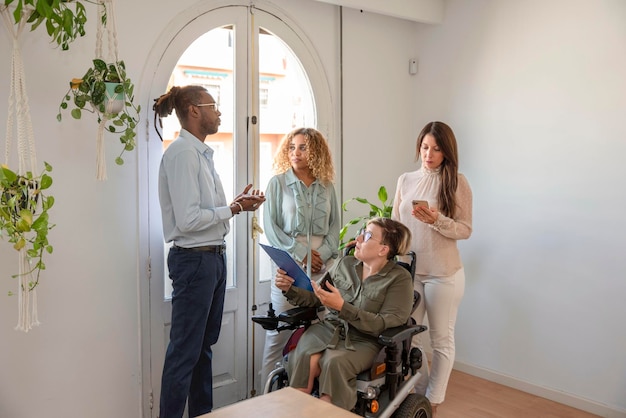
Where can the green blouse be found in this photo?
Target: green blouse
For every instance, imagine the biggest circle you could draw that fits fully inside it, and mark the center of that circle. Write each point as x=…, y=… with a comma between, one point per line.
x=383, y=300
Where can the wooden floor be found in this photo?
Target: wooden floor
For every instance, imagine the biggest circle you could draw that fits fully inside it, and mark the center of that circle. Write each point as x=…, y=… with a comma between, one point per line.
x=472, y=397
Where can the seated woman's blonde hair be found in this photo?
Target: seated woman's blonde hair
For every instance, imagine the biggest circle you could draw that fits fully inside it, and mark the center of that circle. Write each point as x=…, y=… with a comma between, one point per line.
x=395, y=235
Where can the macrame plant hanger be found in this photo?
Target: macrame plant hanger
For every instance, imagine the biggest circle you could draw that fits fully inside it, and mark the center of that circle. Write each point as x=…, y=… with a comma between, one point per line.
x=19, y=111
x=106, y=25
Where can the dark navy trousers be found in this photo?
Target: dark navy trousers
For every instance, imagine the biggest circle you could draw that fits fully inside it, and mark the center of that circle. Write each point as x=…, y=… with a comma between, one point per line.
x=199, y=285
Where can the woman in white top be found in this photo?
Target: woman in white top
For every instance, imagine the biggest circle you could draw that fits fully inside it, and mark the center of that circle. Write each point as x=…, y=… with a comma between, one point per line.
x=443, y=217
x=301, y=216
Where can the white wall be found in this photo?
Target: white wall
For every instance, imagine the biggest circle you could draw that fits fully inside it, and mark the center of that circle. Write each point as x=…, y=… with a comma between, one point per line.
x=378, y=103
x=426, y=11
x=536, y=94
x=534, y=91
x=84, y=358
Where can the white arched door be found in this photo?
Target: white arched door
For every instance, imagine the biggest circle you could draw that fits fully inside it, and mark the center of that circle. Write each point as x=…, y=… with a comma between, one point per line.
x=267, y=80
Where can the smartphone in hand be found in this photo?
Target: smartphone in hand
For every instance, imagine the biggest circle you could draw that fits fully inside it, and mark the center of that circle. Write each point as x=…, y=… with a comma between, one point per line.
x=417, y=203
x=326, y=279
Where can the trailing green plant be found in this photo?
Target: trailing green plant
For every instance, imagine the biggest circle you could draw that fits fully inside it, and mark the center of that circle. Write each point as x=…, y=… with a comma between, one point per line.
x=89, y=93
x=382, y=211
x=62, y=22
x=24, y=216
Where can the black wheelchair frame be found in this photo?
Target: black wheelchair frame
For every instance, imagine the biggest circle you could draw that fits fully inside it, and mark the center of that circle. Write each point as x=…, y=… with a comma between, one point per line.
x=384, y=390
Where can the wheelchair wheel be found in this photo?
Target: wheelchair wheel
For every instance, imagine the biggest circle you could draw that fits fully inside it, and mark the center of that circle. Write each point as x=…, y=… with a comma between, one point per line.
x=278, y=381
x=414, y=406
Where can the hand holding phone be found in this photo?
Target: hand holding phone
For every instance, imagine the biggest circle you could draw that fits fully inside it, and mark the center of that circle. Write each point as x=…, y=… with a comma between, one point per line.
x=417, y=203
x=326, y=279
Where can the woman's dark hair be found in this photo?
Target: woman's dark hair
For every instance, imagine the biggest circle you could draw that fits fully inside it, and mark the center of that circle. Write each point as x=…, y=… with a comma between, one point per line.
x=446, y=141
x=179, y=99
x=396, y=236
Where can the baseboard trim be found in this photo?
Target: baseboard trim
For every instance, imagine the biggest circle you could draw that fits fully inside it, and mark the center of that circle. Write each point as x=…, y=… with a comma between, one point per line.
x=547, y=393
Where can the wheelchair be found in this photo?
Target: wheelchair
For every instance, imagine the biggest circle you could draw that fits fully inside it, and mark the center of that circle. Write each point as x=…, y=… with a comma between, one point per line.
x=384, y=390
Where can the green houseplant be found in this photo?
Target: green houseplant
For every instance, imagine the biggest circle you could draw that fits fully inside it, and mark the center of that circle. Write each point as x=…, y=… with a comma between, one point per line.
x=24, y=221
x=106, y=90
x=63, y=22
x=382, y=211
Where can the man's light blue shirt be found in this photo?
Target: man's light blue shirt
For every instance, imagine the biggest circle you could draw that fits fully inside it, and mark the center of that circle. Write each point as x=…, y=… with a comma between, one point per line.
x=193, y=204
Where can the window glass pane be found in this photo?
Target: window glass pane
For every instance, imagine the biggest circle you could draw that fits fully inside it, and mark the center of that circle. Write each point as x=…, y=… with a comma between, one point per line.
x=285, y=102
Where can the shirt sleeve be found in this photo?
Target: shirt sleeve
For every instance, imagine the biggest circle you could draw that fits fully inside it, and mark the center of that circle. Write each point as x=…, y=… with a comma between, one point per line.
x=461, y=226
x=183, y=169
x=302, y=297
x=395, y=210
x=395, y=309
x=273, y=222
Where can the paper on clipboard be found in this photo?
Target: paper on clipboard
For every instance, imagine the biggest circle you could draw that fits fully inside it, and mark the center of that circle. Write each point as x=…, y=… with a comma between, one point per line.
x=285, y=262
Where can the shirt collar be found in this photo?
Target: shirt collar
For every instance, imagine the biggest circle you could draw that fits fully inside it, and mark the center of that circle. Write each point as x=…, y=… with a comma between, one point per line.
x=383, y=271
x=431, y=171
x=191, y=139
x=291, y=178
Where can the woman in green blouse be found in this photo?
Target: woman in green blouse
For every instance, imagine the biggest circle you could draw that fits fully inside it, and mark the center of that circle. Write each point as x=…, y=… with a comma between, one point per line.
x=371, y=293
x=301, y=216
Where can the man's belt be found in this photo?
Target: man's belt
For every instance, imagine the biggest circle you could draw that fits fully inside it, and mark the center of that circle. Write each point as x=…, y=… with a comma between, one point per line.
x=217, y=249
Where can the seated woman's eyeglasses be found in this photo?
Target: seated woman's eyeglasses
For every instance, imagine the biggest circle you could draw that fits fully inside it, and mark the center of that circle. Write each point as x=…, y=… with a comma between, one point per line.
x=367, y=235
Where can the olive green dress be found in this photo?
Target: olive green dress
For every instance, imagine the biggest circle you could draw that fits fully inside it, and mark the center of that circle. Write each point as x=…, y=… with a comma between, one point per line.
x=349, y=338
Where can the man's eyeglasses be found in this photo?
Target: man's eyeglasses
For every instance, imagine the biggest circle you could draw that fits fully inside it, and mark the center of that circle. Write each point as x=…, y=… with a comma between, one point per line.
x=367, y=235
x=209, y=104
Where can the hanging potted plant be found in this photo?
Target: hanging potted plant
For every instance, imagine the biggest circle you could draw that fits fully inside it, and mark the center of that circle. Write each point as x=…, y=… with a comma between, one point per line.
x=106, y=91
x=62, y=22
x=24, y=221
x=23, y=203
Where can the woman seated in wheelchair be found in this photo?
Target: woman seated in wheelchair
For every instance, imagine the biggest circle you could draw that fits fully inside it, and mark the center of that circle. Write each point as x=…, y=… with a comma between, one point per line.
x=369, y=293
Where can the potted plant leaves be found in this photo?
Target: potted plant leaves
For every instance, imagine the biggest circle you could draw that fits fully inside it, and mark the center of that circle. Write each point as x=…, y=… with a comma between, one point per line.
x=64, y=20
x=382, y=211
x=24, y=222
x=105, y=90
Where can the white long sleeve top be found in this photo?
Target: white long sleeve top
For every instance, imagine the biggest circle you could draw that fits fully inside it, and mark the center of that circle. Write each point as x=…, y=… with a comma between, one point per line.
x=435, y=245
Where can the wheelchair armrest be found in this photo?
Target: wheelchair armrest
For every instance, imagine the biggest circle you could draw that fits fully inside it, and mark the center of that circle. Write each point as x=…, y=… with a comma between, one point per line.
x=395, y=335
x=298, y=314
x=267, y=322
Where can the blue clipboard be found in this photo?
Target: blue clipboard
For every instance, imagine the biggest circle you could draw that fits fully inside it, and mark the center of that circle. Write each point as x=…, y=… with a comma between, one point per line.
x=285, y=262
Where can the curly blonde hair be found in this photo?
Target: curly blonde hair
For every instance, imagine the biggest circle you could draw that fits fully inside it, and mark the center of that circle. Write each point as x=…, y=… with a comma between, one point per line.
x=320, y=161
